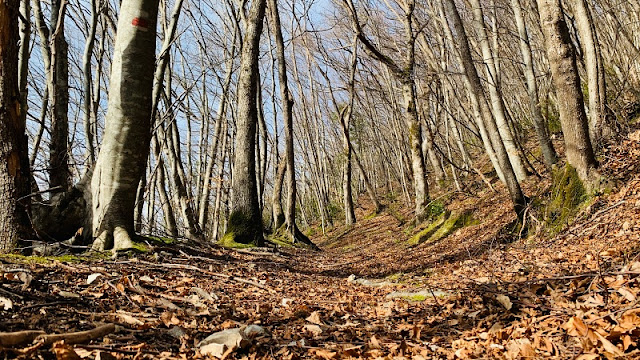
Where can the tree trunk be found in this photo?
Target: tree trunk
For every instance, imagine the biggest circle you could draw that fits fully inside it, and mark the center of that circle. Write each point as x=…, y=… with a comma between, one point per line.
x=245, y=220
x=125, y=146
x=599, y=126
x=59, y=171
x=23, y=56
x=276, y=200
x=86, y=72
x=517, y=197
x=564, y=72
x=548, y=152
x=497, y=103
x=14, y=160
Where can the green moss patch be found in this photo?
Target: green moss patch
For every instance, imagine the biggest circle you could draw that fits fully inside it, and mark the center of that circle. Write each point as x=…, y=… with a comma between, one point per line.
x=568, y=194
x=442, y=227
x=425, y=234
x=229, y=241
x=35, y=259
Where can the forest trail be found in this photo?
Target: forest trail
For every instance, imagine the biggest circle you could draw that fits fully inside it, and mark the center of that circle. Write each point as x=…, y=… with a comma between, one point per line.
x=480, y=292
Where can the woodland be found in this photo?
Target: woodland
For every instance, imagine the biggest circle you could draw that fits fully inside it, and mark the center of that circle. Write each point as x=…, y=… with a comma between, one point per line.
x=319, y=179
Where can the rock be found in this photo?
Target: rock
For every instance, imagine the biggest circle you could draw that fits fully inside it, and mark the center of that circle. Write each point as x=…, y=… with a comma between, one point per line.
x=217, y=344
x=351, y=278
x=176, y=332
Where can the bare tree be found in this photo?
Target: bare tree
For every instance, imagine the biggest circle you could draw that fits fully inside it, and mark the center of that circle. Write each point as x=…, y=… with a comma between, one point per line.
x=14, y=160
x=125, y=145
x=564, y=71
x=245, y=220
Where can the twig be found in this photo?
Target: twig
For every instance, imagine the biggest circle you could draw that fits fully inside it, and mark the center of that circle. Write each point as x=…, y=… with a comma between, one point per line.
x=11, y=293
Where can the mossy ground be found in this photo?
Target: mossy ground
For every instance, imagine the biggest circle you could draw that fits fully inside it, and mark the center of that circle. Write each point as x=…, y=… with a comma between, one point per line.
x=229, y=241
x=443, y=226
x=36, y=259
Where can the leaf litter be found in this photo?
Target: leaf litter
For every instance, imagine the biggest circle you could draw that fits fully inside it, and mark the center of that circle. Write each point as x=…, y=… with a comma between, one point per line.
x=569, y=296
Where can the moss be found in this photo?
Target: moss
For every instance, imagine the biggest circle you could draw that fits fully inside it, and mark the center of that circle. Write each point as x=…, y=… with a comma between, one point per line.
x=281, y=237
x=394, y=277
x=159, y=240
x=425, y=234
x=370, y=216
x=568, y=193
x=417, y=297
x=435, y=209
x=229, y=241
x=453, y=223
x=242, y=231
x=444, y=226
x=34, y=259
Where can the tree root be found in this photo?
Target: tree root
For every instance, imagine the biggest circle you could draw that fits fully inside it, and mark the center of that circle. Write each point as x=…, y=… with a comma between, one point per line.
x=298, y=236
x=118, y=239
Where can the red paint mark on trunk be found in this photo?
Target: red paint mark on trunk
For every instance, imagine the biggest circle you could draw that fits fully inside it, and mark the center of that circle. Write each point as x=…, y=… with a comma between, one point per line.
x=140, y=22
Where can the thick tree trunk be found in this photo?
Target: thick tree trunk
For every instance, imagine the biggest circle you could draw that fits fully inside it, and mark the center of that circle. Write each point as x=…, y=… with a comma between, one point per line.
x=548, y=152
x=245, y=220
x=14, y=161
x=564, y=71
x=125, y=146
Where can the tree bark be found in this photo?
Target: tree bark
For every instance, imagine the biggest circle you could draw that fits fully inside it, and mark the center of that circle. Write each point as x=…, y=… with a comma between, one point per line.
x=245, y=220
x=14, y=160
x=125, y=146
x=59, y=171
x=564, y=72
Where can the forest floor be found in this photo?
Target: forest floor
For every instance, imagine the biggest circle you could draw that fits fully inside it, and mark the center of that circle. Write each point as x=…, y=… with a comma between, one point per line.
x=481, y=292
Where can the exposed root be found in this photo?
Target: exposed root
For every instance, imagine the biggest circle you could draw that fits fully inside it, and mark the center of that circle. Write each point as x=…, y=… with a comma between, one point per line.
x=116, y=240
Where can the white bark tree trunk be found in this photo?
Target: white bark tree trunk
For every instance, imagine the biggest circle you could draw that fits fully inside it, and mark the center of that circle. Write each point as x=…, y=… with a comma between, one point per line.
x=125, y=145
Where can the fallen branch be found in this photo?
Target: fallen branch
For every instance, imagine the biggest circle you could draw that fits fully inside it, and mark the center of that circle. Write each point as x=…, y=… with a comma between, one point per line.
x=80, y=336
x=11, y=339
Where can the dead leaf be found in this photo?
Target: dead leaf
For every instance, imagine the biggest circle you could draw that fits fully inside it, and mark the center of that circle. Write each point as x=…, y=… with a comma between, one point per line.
x=325, y=354
x=64, y=351
x=7, y=304
x=505, y=301
x=314, y=318
x=313, y=329
x=91, y=278
x=576, y=327
x=608, y=346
